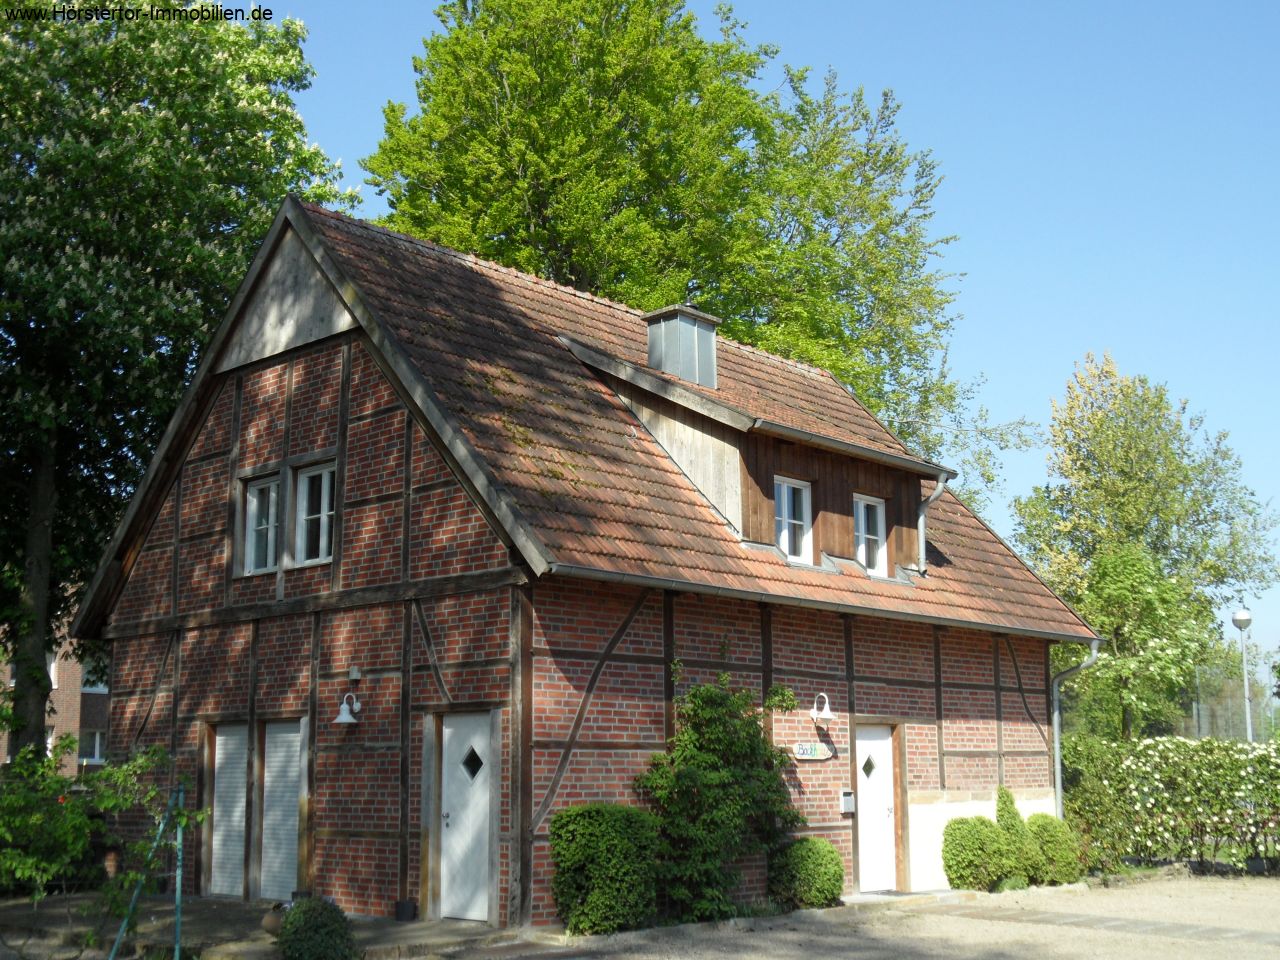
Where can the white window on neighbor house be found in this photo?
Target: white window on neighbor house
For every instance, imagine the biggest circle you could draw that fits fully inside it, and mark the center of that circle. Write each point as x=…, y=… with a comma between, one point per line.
x=93, y=747
x=868, y=535
x=262, y=523
x=314, y=511
x=793, y=519
x=51, y=667
x=90, y=682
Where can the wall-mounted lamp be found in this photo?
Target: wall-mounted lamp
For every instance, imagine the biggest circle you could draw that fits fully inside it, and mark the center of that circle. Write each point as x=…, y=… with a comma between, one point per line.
x=348, y=709
x=824, y=716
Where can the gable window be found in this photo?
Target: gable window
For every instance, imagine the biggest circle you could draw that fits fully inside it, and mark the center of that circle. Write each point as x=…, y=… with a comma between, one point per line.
x=868, y=535
x=793, y=524
x=314, y=543
x=262, y=521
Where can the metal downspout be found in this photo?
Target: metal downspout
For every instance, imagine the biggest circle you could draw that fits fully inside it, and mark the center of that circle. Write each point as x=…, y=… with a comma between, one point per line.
x=938, y=490
x=1094, y=644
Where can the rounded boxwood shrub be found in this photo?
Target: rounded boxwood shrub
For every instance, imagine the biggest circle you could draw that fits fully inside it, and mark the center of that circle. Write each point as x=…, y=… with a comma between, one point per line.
x=605, y=857
x=1059, y=846
x=1027, y=864
x=315, y=929
x=975, y=854
x=807, y=873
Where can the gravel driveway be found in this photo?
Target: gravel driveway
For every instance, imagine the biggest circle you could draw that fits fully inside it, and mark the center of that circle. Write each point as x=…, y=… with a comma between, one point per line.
x=1171, y=919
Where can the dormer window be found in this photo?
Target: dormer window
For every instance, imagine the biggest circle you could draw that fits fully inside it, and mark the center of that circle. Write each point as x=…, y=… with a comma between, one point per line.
x=793, y=519
x=682, y=342
x=868, y=535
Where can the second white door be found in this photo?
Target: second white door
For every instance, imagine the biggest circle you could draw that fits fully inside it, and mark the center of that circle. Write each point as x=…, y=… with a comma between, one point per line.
x=466, y=760
x=877, y=834
x=281, y=787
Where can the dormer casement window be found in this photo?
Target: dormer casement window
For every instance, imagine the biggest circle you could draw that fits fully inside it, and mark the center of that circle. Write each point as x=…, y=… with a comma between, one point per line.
x=682, y=342
x=793, y=519
x=869, y=535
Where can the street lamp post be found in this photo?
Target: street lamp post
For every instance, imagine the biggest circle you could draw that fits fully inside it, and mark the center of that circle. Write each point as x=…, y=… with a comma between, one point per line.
x=1242, y=619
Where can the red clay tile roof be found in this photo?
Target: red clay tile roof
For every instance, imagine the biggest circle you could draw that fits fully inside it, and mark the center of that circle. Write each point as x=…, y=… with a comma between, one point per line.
x=595, y=488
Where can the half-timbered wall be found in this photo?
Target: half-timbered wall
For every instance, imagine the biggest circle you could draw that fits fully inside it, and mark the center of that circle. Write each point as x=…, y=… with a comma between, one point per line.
x=968, y=709
x=418, y=596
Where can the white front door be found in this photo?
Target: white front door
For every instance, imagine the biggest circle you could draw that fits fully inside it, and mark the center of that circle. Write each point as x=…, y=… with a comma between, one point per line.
x=465, y=760
x=230, y=767
x=877, y=845
x=281, y=787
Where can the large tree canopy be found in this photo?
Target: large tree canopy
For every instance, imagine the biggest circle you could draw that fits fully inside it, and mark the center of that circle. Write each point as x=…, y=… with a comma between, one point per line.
x=142, y=163
x=1146, y=526
x=609, y=146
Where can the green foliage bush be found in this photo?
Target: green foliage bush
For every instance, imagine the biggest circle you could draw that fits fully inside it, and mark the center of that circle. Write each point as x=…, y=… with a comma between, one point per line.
x=720, y=795
x=1093, y=808
x=1059, y=848
x=1172, y=798
x=51, y=825
x=605, y=867
x=806, y=873
x=975, y=854
x=315, y=929
x=1027, y=861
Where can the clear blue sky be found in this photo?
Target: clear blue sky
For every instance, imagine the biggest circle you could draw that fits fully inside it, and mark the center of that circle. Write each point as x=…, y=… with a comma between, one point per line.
x=1110, y=174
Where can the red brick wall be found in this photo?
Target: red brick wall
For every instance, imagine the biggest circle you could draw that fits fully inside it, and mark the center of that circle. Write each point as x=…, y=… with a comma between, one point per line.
x=950, y=736
x=262, y=668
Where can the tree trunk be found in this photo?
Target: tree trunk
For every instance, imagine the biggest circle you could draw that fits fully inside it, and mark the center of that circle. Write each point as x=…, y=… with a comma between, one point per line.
x=31, y=677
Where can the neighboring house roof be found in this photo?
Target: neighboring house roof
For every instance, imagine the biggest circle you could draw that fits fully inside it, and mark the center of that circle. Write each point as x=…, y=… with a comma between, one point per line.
x=580, y=487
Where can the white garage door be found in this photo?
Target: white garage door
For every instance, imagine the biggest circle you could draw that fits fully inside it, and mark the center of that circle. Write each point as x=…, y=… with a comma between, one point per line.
x=281, y=786
x=230, y=758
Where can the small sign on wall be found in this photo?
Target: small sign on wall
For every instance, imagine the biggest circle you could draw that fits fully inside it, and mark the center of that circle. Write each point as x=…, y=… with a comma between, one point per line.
x=813, y=750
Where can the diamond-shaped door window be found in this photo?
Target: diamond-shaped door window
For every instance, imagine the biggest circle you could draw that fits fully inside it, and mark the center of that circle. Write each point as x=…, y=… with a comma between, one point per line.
x=472, y=763
x=868, y=766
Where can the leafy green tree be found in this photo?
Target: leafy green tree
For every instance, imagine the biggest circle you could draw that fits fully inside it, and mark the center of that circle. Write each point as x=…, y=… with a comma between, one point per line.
x=1146, y=526
x=613, y=148
x=142, y=162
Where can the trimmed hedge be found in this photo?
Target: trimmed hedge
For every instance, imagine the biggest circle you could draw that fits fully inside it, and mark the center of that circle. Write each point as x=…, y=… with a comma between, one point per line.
x=1059, y=846
x=315, y=929
x=1171, y=798
x=807, y=873
x=605, y=859
x=1028, y=864
x=975, y=854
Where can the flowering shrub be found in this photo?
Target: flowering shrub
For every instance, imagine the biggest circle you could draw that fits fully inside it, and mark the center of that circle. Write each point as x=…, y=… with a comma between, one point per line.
x=1174, y=798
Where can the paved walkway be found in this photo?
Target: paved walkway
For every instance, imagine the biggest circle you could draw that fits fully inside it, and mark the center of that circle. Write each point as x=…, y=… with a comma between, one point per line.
x=988, y=910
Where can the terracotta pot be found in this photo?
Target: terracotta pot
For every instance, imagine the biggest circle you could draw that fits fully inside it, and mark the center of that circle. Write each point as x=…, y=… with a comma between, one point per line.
x=111, y=863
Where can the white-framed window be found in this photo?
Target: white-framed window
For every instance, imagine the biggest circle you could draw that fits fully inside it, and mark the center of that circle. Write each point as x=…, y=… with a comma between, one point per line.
x=93, y=746
x=91, y=683
x=793, y=519
x=314, y=515
x=51, y=668
x=868, y=535
x=262, y=524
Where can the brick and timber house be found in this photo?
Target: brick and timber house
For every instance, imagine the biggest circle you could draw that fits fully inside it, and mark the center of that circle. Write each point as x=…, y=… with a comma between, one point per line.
x=77, y=708
x=510, y=520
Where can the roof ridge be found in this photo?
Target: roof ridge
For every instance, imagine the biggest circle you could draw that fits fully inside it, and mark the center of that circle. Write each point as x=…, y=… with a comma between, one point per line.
x=471, y=258
x=790, y=361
